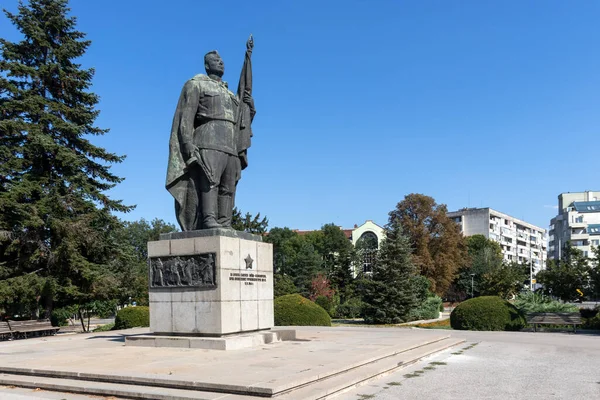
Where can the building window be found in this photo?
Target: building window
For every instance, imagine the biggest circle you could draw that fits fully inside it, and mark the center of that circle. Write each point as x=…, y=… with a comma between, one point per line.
x=367, y=246
x=594, y=229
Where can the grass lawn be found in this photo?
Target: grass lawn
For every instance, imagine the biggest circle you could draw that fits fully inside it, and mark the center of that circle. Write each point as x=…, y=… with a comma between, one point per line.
x=360, y=322
x=443, y=324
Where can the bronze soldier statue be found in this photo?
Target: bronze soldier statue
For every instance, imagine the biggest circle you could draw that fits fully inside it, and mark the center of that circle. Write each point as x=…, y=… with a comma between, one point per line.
x=208, y=146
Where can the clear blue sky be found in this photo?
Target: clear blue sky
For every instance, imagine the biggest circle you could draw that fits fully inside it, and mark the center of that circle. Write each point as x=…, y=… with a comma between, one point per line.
x=475, y=103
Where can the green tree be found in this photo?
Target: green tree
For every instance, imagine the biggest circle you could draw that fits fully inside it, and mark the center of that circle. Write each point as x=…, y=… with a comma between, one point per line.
x=337, y=254
x=283, y=285
x=438, y=246
x=139, y=233
x=505, y=280
x=55, y=216
x=130, y=259
x=595, y=274
x=391, y=293
x=294, y=255
x=249, y=223
x=491, y=275
x=484, y=256
x=563, y=278
x=280, y=238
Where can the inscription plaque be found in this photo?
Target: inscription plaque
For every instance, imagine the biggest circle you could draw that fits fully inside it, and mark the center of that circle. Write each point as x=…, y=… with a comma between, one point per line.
x=183, y=271
x=248, y=279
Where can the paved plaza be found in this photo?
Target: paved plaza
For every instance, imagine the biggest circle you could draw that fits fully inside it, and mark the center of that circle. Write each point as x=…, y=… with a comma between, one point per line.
x=498, y=365
x=487, y=365
x=321, y=360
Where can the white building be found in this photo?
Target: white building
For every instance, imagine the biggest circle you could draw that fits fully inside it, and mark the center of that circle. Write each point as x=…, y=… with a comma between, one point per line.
x=367, y=239
x=520, y=241
x=578, y=222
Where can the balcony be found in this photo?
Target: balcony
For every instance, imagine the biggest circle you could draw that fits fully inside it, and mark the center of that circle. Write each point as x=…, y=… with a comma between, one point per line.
x=508, y=232
x=579, y=236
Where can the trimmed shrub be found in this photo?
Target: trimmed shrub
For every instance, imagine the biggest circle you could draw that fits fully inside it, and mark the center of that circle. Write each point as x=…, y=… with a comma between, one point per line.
x=352, y=308
x=486, y=313
x=132, y=317
x=295, y=310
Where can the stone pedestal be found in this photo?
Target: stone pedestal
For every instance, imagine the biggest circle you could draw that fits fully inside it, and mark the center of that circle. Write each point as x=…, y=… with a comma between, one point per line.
x=210, y=283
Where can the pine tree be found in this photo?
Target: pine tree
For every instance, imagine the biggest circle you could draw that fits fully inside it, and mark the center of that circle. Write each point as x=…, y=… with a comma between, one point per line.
x=249, y=223
x=55, y=218
x=391, y=292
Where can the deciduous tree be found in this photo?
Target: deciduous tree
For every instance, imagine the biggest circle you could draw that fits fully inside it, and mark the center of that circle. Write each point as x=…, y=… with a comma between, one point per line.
x=295, y=256
x=485, y=272
x=563, y=278
x=438, y=246
x=337, y=254
x=139, y=233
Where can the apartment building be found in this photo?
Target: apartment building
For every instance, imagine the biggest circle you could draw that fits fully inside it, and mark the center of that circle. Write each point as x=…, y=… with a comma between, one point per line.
x=520, y=241
x=578, y=222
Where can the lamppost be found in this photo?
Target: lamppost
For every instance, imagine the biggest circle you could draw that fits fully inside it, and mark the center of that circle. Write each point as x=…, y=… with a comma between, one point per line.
x=472, y=276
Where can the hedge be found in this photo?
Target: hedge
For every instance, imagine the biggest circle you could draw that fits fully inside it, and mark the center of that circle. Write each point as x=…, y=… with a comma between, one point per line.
x=131, y=317
x=486, y=313
x=295, y=310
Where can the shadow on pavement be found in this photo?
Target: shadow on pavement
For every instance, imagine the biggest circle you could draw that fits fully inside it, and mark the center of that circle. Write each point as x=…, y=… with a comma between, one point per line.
x=112, y=338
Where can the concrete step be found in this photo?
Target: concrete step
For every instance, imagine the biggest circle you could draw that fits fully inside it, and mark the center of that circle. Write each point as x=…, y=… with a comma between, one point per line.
x=311, y=387
x=339, y=383
x=118, y=390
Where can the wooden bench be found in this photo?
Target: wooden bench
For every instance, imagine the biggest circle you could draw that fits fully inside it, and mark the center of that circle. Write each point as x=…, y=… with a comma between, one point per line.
x=32, y=327
x=5, y=332
x=536, y=319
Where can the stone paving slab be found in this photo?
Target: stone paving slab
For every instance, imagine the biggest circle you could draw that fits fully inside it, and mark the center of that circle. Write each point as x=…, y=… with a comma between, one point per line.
x=498, y=366
x=266, y=370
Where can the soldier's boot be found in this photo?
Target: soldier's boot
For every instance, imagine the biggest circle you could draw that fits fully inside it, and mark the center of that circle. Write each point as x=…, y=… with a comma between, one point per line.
x=225, y=211
x=209, y=209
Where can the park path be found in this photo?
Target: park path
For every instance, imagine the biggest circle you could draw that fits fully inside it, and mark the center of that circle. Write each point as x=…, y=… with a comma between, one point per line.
x=498, y=365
